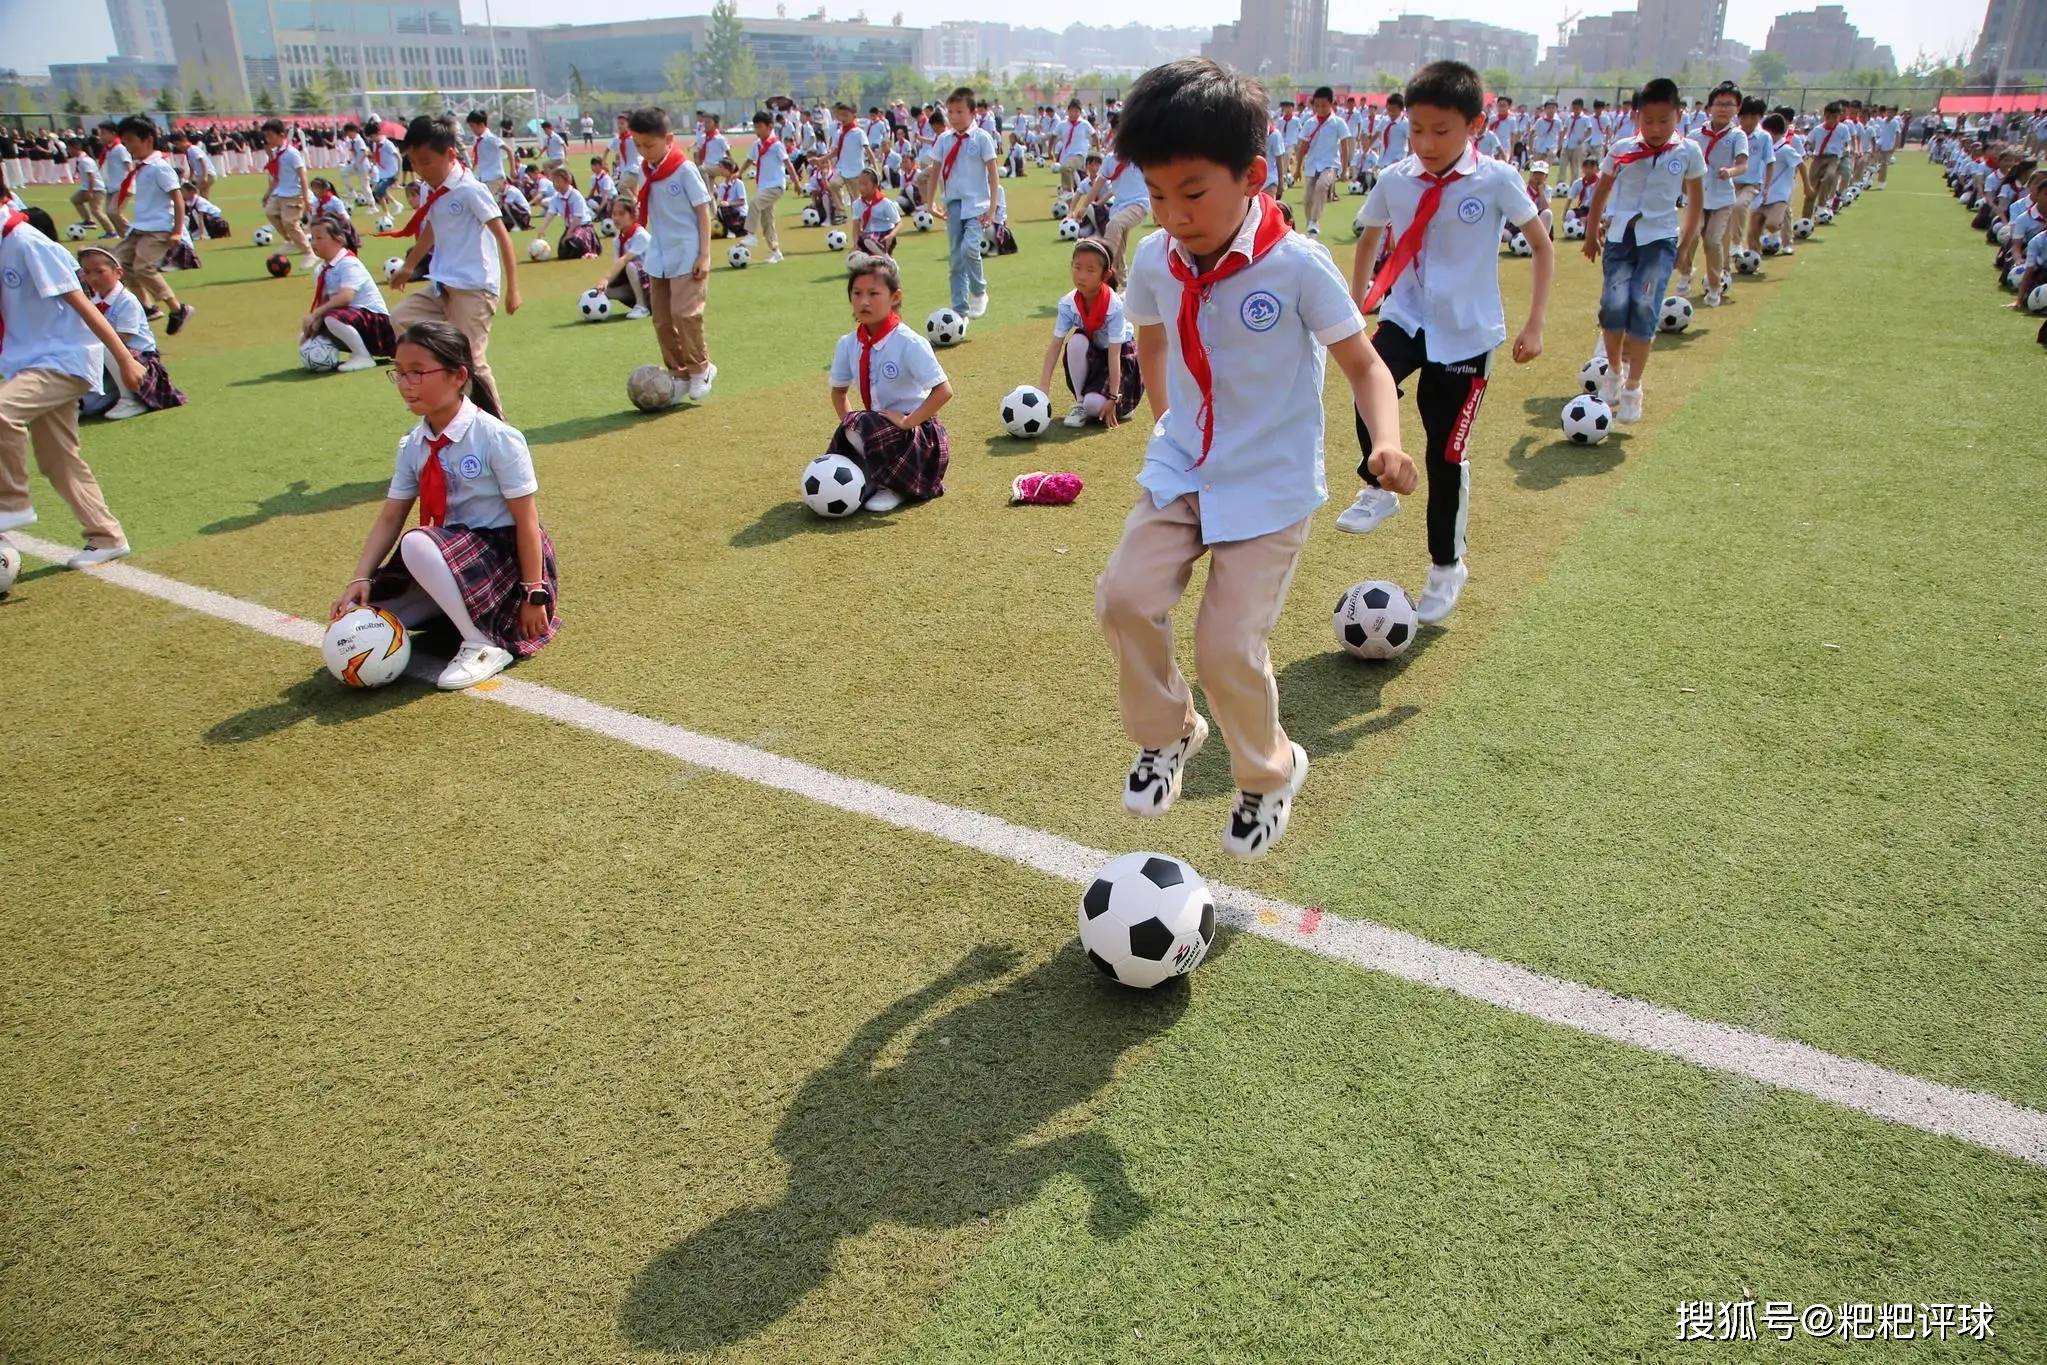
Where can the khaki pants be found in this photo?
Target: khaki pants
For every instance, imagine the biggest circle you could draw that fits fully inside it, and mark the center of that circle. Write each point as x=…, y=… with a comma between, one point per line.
x=1777, y=219
x=1117, y=232
x=468, y=311
x=1825, y=180
x=760, y=218
x=1247, y=586
x=1316, y=197
x=141, y=256
x=679, y=323
x=40, y=408
x=288, y=217
x=1071, y=170
x=1883, y=167
x=1713, y=226
x=92, y=208
x=1745, y=197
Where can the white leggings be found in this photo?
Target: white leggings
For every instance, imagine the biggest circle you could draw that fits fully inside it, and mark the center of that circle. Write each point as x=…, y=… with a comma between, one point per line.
x=350, y=339
x=1077, y=346
x=434, y=588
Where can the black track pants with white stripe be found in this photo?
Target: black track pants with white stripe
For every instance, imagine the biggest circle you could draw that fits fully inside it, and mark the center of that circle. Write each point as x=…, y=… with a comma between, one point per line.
x=1449, y=397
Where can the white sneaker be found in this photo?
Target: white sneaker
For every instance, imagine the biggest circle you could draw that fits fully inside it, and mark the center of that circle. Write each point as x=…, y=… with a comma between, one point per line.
x=356, y=364
x=125, y=408
x=636, y=313
x=90, y=556
x=883, y=500
x=1712, y=299
x=1630, y=407
x=1610, y=386
x=1259, y=819
x=310, y=263
x=474, y=661
x=679, y=390
x=1684, y=286
x=977, y=304
x=700, y=383
x=1373, y=506
x=14, y=521
x=1439, y=594
x=1078, y=417
x=749, y=240
x=1314, y=229
x=1154, y=782
x=774, y=258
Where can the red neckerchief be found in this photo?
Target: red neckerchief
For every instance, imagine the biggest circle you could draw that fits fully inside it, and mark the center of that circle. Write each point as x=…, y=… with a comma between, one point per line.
x=105, y=152
x=1643, y=153
x=671, y=162
x=959, y=140
x=1572, y=131
x=412, y=224
x=845, y=131
x=1271, y=230
x=868, y=341
x=13, y=221
x=1320, y=119
x=128, y=180
x=320, y=203
x=270, y=167
x=1072, y=127
x=433, y=482
x=623, y=237
x=1828, y=140
x=1093, y=316
x=1410, y=244
x=867, y=213
x=1713, y=139
x=1386, y=138
x=767, y=144
x=1498, y=119
x=1371, y=122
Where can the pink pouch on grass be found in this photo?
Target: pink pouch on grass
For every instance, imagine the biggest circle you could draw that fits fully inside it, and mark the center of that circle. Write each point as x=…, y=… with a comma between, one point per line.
x=1051, y=490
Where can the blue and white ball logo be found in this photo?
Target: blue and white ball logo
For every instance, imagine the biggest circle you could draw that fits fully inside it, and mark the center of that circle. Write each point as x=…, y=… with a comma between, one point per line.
x=1470, y=209
x=470, y=466
x=889, y=369
x=1261, y=311
x=1677, y=165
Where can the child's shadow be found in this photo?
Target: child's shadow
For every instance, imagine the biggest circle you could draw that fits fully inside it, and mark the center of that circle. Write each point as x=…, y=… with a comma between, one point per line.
x=294, y=375
x=1547, y=466
x=296, y=501
x=786, y=519
x=937, y=1140
x=1328, y=702
x=1004, y=446
x=319, y=699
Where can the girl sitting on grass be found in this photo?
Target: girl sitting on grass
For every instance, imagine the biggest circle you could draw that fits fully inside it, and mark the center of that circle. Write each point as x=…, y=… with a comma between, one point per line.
x=626, y=281
x=123, y=312
x=1097, y=341
x=894, y=435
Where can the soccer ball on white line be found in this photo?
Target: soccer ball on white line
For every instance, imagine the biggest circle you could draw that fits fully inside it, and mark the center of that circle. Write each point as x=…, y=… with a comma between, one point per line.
x=650, y=388
x=75, y=232
x=1026, y=412
x=263, y=236
x=368, y=647
x=319, y=355
x=539, y=250
x=1587, y=421
x=1676, y=315
x=835, y=240
x=833, y=486
x=1374, y=620
x=738, y=255
x=922, y=220
x=1802, y=229
x=1146, y=918
x=945, y=327
x=1593, y=371
x=1069, y=230
x=595, y=305
x=811, y=217
x=391, y=268
x=10, y=567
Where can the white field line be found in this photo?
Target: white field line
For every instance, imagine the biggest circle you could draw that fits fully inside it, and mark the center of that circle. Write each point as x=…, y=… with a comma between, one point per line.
x=1984, y=1120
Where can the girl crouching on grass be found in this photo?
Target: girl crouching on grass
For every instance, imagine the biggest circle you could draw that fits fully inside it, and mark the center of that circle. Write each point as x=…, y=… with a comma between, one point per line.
x=478, y=556
x=626, y=281
x=124, y=313
x=1097, y=341
x=893, y=435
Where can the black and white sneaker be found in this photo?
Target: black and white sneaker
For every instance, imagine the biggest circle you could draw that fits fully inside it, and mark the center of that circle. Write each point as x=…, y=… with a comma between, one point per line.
x=1154, y=782
x=1259, y=819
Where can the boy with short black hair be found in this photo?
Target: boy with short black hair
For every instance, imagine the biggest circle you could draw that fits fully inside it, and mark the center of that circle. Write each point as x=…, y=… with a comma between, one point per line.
x=1071, y=142
x=284, y=199
x=675, y=208
x=1441, y=312
x=487, y=154
x=1233, y=313
x=1324, y=151
x=769, y=161
x=960, y=174
x=149, y=198
x=1633, y=230
x=1829, y=142
x=1725, y=149
x=1748, y=184
x=114, y=162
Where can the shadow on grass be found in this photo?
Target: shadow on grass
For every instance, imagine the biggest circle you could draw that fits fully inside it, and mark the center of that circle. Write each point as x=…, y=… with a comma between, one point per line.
x=12, y=596
x=317, y=698
x=786, y=519
x=296, y=374
x=937, y=1140
x=596, y=424
x=295, y=501
x=1544, y=467
x=1004, y=446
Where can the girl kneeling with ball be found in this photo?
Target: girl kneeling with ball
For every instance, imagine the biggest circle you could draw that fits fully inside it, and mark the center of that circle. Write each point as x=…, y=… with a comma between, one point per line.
x=894, y=435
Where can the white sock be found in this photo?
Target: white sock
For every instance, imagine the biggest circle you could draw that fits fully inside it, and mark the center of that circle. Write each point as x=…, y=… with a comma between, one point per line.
x=855, y=439
x=1095, y=404
x=1076, y=360
x=347, y=336
x=423, y=559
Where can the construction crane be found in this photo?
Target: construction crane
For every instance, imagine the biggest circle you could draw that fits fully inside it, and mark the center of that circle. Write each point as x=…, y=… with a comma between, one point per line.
x=1564, y=25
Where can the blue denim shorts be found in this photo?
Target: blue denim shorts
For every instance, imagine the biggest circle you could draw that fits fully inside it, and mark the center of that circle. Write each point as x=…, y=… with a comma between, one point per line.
x=1637, y=273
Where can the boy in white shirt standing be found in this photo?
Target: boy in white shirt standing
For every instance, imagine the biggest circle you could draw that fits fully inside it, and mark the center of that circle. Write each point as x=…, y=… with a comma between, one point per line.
x=1438, y=295
x=846, y=156
x=1725, y=148
x=151, y=188
x=960, y=174
x=1072, y=140
x=769, y=161
x=675, y=208
x=554, y=148
x=1325, y=150
x=488, y=153
x=114, y=162
x=90, y=198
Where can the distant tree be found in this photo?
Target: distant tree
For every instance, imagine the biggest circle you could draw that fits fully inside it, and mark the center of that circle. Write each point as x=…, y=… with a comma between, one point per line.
x=849, y=91
x=816, y=89
x=334, y=85
x=75, y=106
x=726, y=67
x=579, y=89
x=1768, y=69
x=680, y=74
x=304, y=99
x=1498, y=78
x=118, y=99
x=198, y=103
x=168, y=101
x=776, y=82
x=264, y=100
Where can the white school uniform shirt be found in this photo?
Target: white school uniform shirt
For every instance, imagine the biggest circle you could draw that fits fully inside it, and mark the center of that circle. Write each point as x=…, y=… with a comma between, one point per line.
x=672, y=222
x=1265, y=328
x=42, y=331
x=86, y=172
x=1784, y=172
x=2036, y=252
x=490, y=156
x=347, y=271
x=465, y=250
x=1275, y=153
x=713, y=148
x=1322, y=144
x=1731, y=146
x=635, y=245
x=901, y=373
x=1364, y=126
x=732, y=192
x=1578, y=129
x=877, y=132
x=1073, y=138
x=847, y=148
x=516, y=198
x=573, y=207
x=772, y=165
x=602, y=187
x=1451, y=293
x=115, y=167
x=1126, y=184
x=198, y=162
x=1645, y=192
x=881, y=216
x=628, y=155
x=290, y=172
x=149, y=198
x=1836, y=141
x=486, y=462
x=1393, y=142
x=356, y=151
x=1115, y=329
x=1759, y=150
x=557, y=147
x=1505, y=128
x=967, y=186
x=124, y=313
x=1542, y=134
x=1489, y=145
x=1884, y=134
x=387, y=159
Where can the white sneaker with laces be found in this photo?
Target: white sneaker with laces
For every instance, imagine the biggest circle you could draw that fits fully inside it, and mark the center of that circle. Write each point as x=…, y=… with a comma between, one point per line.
x=1259, y=819
x=474, y=661
x=635, y=314
x=1630, y=408
x=124, y=409
x=700, y=383
x=884, y=500
x=1077, y=417
x=90, y=555
x=356, y=363
x=14, y=521
x=1373, y=505
x=977, y=304
x=1712, y=299
x=1154, y=782
x=1684, y=286
x=1439, y=594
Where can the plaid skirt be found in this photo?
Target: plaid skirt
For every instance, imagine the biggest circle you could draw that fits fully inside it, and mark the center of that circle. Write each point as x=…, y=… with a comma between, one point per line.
x=1002, y=240
x=621, y=292
x=486, y=567
x=157, y=391
x=180, y=256
x=910, y=462
x=520, y=217
x=1127, y=397
x=213, y=225
x=374, y=329
x=877, y=243
x=577, y=242
x=732, y=219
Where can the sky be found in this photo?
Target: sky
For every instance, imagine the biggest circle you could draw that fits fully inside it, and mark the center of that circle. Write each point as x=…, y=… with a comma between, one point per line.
x=34, y=33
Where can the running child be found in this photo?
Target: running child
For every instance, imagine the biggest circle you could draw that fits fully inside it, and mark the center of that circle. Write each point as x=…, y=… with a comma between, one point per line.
x=123, y=312
x=769, y=161
x=90, y=198
x=847, y=154
x=894, y=436
x=1324, y=151
x=961, y=181
x=626, y=281
x=284, y=201
x=347, y=306
x=487, y=152
x=151, y=201
x=675, y=208
x=384, y=166
x=1072, y=141
x=1748, y=182
x=114, y=160
x=1095, y=341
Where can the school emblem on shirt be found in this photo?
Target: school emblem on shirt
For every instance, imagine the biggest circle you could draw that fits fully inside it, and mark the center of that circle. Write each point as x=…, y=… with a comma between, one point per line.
x=1470, y=209
x=889, y=369
x=1677, y=165
x=675, y=188
x=470, y=466
x=1261, y=311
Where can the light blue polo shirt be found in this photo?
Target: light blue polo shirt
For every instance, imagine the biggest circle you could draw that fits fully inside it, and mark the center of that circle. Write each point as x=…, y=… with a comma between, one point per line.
x=43, y=332
x=1759, y=152
x=1645, y=192
x=967, y=186
x=1731, y=146
x=1451, y=293
x=1324, y=145
x=1265, y=329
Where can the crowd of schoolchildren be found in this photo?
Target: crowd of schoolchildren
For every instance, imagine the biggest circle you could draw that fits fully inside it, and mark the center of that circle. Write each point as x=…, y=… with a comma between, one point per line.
x=1224, y=320
x=1995, y=169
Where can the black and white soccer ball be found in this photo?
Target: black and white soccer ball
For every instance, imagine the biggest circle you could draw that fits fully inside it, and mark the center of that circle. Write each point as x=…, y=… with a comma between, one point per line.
x=1059, y=208
x=945, y=327
x=1374, y=620
x=264, y=235
x=2036, y=302
x=392, y=266
x=385, y=222
x=607, y=227
x=1593, y=373
x=1676, y=314
x=811, y=217
x=1026, y=412
x=1772, y=243
x=595, y=305
x=319, y=355
x=833, y=486
x=2014, y=277
x=1823, y=215
x=75, y=232
x=922, y=220
x=361, y=199
x=538, y=250
x=835, y=240
x=10, y=567
x=1069, y=230
x=739, y=256
x=1587, y=421
x=1746, y=261
x=1145, y=919
x=1519, y=245
x=1574, y=229
x=1357, y=187
x=1802, y=229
